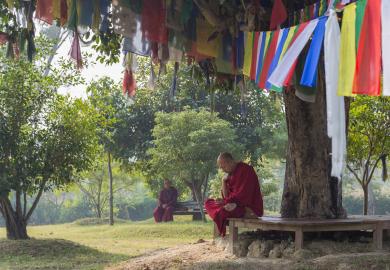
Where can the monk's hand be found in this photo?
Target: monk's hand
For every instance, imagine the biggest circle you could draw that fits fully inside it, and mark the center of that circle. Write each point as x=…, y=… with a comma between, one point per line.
x=230, y=207
x=225, y=178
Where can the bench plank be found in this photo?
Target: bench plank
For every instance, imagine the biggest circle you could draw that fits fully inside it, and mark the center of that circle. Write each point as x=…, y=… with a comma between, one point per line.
x=376, y=224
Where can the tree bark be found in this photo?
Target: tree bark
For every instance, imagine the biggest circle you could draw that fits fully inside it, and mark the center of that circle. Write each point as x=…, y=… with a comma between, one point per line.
x=16, y=226
x=197, y=192
x=365, y=202
x=370, y=201
x=111, y=191
x=309, y=191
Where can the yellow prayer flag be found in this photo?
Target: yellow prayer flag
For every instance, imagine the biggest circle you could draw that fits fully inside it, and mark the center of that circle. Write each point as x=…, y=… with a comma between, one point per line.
x=347, y=63
x=204, y=31
x=248, y=53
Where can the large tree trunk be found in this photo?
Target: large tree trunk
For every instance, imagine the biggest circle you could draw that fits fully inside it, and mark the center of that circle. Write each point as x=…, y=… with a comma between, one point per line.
x=365, y=203
x=309, y=191
x=15, y=223
x=111, y=191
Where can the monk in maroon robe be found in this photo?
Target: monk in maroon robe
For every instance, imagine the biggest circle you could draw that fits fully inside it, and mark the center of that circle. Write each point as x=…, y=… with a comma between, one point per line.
x=166, y=203
x=241, y=195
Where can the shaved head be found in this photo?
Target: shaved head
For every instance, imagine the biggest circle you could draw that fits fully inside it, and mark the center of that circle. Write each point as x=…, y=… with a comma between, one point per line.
x=226, y=156
x=226, y=162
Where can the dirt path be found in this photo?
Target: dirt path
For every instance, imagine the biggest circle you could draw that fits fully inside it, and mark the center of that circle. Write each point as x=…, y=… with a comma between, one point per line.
x=206, y=256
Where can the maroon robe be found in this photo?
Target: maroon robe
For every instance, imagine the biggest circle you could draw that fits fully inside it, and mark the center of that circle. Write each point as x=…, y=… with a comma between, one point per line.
x=244, y=190
x=169, y=198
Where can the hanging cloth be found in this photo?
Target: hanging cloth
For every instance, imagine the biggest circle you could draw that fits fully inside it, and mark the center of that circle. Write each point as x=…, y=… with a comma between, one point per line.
x=104, y=6
x=85, y=12
x=268, y=59
x=248, y=53
x=369, y=58
x=255, y=53
x=127, y=23
x=96, y=16
x=56, y=7
x=286, y=65
x=206, y=46
x=72, y=14
x=153, y=21
x=275, y=61
x=174, y=80
x=260, y=55
x=44, y=11
x=386, y=46
x=129, y=84
x=305, y=93
x=173, y=14
x=240, y=50
x=75, y=51
x=334, y=104
x=309, y=76
x=278, y=15
x=360, y=10
x=347, y=62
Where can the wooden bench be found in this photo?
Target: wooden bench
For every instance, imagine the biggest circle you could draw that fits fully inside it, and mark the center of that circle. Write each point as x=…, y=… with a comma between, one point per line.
x=376, y=224
x=188, y=208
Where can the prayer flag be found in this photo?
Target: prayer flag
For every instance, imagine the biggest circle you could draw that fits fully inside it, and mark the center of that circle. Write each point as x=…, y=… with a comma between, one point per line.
x=334, y=104
x=309, y=76
x=369, y=60
x=281, y=73
x=386, y=46
x=279, y=14
x=248, y=53
x=347, y=62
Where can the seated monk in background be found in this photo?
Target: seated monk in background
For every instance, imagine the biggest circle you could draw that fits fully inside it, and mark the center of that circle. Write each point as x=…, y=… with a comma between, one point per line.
x=241, y=193
x=166, y=203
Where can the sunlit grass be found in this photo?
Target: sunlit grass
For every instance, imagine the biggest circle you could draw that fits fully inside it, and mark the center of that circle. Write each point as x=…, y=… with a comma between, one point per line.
x=96, y=245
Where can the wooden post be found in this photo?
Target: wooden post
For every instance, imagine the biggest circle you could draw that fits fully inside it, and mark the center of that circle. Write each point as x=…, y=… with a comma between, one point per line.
x=378, y=236
x=298, y=239
x=233, y=236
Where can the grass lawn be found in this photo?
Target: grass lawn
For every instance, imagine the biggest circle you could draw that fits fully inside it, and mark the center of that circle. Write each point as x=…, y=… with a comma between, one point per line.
x=75, y=246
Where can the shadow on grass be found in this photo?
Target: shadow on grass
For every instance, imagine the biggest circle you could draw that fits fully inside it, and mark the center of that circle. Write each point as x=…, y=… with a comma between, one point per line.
x=53, y=254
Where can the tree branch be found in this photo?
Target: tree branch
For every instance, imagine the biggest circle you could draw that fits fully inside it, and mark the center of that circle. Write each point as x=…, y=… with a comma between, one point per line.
x=355, y=174
x=37, y=198
x=18, y=204
x=373, y=170
x=24, y=203
x=1, y=210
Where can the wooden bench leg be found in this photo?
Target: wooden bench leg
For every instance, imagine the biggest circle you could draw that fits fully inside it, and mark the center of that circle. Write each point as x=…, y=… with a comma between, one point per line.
x=233, y=236
x=298, y=239
x=378, y=237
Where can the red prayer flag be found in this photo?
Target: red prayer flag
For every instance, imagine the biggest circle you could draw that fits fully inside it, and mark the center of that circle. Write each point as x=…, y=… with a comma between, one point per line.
x=153, y=21
x=44, y=11
x=3, y=38
x=279, y=14
x=368, y=60
x=129, y=84
x=75, y=51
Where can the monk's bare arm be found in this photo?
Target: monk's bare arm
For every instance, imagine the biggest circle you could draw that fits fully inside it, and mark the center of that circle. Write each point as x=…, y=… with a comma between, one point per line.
x=225, y=191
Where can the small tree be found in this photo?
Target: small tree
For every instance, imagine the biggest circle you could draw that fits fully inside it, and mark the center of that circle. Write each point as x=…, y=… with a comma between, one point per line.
x=44, y=139
x=187, y=145
x=368, y=140
x=97, y=191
